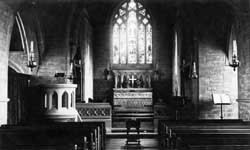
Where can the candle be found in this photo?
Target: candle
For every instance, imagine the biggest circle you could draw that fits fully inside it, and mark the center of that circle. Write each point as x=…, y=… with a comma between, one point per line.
x=31, y=46
x=156, y=66
x=71, y=67
x=234, y=46
x=194, y=67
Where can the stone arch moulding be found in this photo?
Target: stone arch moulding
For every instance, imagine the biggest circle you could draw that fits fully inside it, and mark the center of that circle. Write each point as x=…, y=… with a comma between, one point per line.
x=74, y=25
x=28, y=33
x=16, y=67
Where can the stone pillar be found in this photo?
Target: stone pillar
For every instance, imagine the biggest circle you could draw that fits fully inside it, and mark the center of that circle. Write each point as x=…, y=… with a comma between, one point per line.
x=6, y=23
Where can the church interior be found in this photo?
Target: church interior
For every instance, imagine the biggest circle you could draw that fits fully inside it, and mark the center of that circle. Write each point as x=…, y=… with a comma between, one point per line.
x=125, y=74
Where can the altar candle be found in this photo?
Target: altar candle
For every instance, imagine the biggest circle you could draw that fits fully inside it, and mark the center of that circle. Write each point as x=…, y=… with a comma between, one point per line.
x=31, y=46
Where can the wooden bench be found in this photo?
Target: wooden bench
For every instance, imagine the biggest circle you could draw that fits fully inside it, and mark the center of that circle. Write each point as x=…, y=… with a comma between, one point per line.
x=63, y=136
x=206, y=134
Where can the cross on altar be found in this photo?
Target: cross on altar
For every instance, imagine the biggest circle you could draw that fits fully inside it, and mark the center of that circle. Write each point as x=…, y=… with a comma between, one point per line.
x=133, y=79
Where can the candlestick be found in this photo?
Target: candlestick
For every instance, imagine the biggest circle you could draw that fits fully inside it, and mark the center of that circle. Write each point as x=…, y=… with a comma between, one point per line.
x=194, y=67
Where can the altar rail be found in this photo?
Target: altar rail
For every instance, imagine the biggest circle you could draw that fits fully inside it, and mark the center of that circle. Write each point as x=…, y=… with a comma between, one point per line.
x=95, y=112
x=59, y=102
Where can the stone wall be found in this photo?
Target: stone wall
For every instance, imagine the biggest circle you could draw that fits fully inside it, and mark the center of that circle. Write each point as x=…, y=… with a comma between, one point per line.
x=55, y=25
x=215, y=76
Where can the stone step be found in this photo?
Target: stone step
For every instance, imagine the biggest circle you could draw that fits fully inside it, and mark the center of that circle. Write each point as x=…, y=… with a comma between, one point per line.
x=145, y=125
x=122, y=109
x=132, y=130
x=133, y=114
x=141, y=118
x=121, y=133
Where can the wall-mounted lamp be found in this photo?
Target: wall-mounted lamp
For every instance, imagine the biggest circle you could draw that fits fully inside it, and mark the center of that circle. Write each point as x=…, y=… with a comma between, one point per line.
x=108, y=72
x=71, y=76
x=193, y=73
x=189, y=69
x=31, y=57
x=235, y=61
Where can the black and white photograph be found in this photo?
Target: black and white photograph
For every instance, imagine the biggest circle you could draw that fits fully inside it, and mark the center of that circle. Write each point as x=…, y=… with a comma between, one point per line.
x=124, y=74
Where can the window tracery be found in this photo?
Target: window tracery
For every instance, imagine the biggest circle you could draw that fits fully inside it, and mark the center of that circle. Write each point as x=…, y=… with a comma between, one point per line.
x=132, y=35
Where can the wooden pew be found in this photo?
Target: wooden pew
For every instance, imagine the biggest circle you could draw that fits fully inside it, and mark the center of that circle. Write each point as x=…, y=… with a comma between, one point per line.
x=205, y=134
x=63, y=136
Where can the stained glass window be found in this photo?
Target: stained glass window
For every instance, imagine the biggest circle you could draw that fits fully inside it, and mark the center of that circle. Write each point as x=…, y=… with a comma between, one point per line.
x=132, y=34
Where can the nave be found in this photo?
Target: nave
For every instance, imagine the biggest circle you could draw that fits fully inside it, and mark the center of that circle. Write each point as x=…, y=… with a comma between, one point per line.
x=97, y=67
x=171, y=135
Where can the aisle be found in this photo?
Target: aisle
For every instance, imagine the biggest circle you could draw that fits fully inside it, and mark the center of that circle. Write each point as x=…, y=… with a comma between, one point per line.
x=120, y=144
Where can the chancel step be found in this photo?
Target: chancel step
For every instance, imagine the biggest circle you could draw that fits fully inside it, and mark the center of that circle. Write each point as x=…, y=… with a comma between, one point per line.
x=134, y=115
x=122, y=130
x=121, y=133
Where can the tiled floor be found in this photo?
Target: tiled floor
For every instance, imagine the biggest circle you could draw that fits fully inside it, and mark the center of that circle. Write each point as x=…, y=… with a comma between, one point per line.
x=120, y=144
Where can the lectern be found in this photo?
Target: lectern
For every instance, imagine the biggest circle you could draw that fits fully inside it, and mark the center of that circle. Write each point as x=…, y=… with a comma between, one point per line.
x=221, y=99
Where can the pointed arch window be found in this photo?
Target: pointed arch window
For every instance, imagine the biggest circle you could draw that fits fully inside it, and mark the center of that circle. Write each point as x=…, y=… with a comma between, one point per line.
x=132, y=35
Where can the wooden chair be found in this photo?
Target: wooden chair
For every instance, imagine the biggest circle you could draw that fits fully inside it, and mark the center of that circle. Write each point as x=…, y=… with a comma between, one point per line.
x=133, y=123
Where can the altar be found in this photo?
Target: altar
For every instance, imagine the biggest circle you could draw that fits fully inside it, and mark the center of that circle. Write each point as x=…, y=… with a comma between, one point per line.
x=132, y=98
